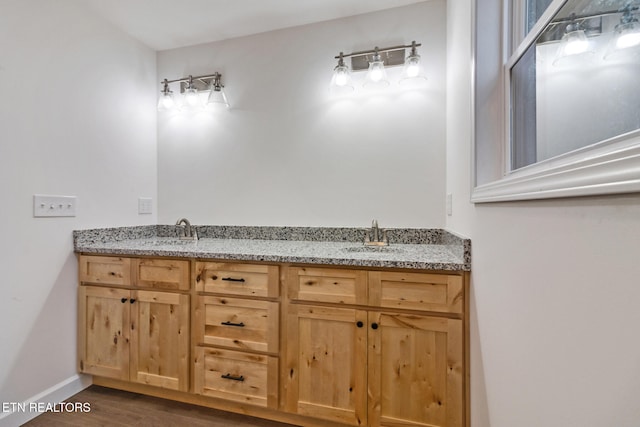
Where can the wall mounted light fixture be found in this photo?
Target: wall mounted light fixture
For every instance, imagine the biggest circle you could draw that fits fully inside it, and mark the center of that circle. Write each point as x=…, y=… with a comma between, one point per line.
x=574, y=42
x=576, y=31
x=626, y=34
x=198, y=93
x=375, y=61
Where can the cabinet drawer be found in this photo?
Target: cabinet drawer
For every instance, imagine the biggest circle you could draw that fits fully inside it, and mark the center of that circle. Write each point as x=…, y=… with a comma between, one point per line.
x=233, y=375
x=238, y=323
x=161, y=274
x=105, y=270
x=328, y=285
x=416, y=291
x=237, y=279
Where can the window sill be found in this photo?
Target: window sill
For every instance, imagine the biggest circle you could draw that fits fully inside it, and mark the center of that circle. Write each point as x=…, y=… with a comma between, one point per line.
x=609, y=167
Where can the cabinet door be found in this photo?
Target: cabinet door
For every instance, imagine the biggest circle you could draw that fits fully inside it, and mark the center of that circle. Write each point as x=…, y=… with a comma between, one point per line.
x=105, y=270
x=416, y=291
x=333, y=285
x=326, y=363
x=415, y=370
x=161, y=274
x=160, y=339
x=103, y=332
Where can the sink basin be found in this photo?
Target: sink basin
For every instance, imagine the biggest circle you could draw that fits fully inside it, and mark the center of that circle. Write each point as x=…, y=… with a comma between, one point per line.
x=373, y=249
x=169, y=242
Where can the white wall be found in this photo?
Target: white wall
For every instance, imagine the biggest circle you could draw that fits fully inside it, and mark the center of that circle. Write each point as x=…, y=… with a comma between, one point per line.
x=554, y=290
x=287, y=153
x=77, y=117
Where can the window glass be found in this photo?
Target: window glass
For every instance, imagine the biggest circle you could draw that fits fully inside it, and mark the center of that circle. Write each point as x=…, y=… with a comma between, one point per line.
x=535, y=9
x=575, y=85
x=523, y=110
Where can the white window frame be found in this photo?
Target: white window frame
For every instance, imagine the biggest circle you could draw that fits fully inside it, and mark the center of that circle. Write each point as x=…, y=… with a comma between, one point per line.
x=607, y=167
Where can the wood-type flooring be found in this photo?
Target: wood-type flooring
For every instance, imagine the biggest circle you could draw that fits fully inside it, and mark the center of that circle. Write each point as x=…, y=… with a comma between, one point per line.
x=117, y=408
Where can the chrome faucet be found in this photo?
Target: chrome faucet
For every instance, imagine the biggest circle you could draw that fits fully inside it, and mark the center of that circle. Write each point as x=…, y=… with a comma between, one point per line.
x=372, y=238
x=188, y=232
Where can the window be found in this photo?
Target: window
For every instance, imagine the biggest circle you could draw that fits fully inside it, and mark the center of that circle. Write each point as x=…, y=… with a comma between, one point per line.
x=570, y=113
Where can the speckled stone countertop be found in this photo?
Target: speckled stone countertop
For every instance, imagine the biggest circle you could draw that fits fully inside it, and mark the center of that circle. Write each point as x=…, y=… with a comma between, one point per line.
x=427, y=249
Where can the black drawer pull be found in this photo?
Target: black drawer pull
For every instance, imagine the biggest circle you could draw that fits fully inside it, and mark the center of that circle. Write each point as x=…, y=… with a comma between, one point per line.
x=123, y=300
x=240, y=325
x=231, y=279
x=232, y=377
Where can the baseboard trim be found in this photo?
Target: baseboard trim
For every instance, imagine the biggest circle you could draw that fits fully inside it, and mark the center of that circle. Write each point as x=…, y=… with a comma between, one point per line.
x=21, y=412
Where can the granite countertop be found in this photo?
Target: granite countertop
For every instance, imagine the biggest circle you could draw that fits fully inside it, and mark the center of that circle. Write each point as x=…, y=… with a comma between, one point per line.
x=428, y=249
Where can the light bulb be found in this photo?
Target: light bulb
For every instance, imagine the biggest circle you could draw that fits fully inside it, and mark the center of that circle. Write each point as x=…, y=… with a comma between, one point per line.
x=412, y=74
x=376, y=74
x=628, y=40
x=167, y=102
x=413, y=70
x=625, y=39
x=341, y=78
x=576, y=46
x=191, y=97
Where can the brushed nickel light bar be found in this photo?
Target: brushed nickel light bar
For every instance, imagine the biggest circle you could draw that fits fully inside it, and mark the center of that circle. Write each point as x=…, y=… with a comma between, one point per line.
x=375, y=60
x=390, y=56
x=191, y=87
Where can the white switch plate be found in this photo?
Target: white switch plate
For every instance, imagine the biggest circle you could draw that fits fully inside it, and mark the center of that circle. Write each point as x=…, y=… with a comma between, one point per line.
x=48, y=206
x=145, y=205
x=449, y=204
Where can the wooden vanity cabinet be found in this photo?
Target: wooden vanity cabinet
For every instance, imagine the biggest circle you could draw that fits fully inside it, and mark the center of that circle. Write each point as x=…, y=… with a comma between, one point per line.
x=308, y=345
x=376, y=364
x=133, y=334
x=236, y=324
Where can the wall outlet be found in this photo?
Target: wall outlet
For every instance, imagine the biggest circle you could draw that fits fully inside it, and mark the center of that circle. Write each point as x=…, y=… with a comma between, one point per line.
x=449, y=204
x=50, y=206
x=145, y=205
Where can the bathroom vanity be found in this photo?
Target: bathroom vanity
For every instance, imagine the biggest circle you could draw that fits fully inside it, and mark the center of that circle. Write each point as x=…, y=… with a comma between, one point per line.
x=301, y=325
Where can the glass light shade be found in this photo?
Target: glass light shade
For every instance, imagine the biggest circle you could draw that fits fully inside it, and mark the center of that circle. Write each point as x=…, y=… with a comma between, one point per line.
x=191, y=100
x=341, y=81
x=217, y=99
x=376, y=76
x=625, y=37
x=574, y=43
x=412, y=71
x=167, y=102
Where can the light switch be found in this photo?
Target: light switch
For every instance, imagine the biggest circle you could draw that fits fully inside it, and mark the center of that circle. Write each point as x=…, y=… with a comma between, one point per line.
x=145, y=205
x=50, y=206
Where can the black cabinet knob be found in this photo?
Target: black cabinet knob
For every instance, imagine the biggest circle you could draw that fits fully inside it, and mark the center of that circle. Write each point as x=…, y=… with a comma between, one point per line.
x=359, y=324
x=123, y=300
x=132, y=300
x=374, y=325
